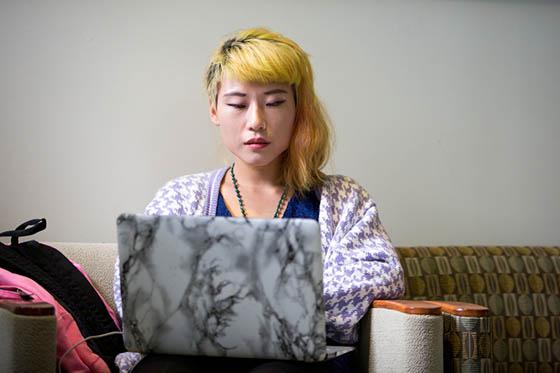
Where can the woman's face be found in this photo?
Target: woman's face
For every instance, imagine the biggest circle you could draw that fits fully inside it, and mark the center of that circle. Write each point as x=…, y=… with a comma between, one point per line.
x=255, y=120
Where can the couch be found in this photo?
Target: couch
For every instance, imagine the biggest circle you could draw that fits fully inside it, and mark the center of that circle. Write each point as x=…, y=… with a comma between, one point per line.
x=466, y=309
x=519, y=286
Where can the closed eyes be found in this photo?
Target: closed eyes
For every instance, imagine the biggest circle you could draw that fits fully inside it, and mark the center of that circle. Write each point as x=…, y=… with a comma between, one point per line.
x=269, y=104
x=276, y=103
x=237, y=106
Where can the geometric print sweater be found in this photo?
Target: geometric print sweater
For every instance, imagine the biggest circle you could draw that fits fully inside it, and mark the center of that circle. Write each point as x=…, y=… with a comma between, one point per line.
x=359, y=261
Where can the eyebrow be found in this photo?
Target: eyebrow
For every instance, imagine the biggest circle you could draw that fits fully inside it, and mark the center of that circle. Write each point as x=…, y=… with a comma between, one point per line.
x=241, y=94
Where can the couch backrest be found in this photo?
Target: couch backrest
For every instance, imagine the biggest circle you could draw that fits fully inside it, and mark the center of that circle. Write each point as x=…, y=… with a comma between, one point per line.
x=520, y=286
x=98, y=260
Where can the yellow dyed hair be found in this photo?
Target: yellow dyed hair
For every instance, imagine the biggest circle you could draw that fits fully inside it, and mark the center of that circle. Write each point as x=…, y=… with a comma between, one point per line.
x=259, y=55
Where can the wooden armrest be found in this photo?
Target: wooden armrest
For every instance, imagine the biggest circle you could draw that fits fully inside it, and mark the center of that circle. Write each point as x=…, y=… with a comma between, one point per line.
x=26, y=308
x=462, y=308
x=413, y=307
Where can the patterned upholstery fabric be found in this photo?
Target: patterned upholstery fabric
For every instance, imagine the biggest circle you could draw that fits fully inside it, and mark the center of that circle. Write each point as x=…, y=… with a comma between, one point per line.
x=519, y=285
x=467, y=344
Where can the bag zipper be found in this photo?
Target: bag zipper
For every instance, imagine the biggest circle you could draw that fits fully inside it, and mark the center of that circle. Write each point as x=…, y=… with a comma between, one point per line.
x=12, y=292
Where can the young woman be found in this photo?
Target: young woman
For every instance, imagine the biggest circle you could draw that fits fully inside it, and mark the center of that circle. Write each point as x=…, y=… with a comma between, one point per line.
x=262, y=99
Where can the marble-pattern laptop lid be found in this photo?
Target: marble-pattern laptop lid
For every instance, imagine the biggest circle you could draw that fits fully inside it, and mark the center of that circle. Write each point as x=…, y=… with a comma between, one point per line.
x=219, y=286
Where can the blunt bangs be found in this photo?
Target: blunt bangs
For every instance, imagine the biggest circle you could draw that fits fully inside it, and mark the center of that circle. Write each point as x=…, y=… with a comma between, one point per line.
x=263, y=62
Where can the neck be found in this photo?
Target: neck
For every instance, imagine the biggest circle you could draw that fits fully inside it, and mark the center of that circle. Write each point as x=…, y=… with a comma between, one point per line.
x=258, y=176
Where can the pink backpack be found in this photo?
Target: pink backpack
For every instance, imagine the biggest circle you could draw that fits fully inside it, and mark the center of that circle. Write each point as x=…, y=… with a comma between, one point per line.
x=71, y=286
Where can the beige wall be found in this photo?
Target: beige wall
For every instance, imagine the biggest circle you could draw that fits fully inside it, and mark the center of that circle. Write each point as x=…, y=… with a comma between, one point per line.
x=448, y=112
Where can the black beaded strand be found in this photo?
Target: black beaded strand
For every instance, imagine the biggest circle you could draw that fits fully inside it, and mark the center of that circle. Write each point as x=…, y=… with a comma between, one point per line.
x=240, y=199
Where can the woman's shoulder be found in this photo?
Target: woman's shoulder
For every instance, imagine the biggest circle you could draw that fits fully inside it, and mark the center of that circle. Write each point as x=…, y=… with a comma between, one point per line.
x=344, y=202
x=343, y=187
x=187, y=182
x=339, y=180
x=183, y=195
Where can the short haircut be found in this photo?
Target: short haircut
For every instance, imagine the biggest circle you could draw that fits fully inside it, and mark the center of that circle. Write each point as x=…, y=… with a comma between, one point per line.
x=259, y=55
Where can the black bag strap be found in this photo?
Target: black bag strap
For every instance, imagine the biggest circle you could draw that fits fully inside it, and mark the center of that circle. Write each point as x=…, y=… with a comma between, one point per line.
x=35, y=225
x=54, y=272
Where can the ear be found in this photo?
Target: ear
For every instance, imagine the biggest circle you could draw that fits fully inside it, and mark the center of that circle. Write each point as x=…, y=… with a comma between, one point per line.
x=213, y=113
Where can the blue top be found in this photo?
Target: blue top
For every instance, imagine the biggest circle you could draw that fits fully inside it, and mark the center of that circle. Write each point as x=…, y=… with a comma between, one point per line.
x=303, y=207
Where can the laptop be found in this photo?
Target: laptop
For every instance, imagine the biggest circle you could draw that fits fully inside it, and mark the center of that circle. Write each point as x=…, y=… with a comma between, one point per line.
x=221, y=286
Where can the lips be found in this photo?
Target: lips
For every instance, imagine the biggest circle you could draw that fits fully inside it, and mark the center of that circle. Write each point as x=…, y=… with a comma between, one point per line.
x=257, y=141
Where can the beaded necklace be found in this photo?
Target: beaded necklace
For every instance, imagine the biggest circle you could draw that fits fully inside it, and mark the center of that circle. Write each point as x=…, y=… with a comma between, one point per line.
x=240, y=200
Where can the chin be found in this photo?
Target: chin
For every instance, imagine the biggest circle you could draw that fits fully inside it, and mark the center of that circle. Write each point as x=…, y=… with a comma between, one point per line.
x=257, y=160
x=259, y=163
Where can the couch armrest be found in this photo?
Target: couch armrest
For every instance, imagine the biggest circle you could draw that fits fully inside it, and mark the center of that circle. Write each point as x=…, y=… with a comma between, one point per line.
x=467, y=336
x=461, y=308
x=401, y=336
x=28, y=335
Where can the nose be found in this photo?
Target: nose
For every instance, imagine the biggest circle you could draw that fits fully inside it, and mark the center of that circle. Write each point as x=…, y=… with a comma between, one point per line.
x=256, y=119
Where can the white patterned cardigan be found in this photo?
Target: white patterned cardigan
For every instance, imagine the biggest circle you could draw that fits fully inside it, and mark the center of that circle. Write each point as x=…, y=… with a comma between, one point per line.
x=360, y=263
